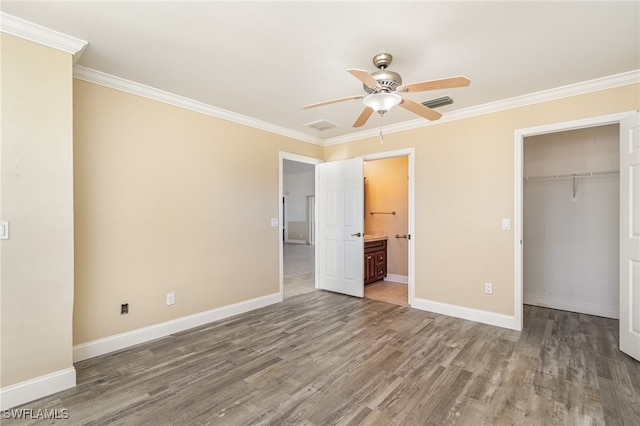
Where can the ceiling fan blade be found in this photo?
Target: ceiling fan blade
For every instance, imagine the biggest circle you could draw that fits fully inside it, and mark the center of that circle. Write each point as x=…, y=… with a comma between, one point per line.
x=363, y=117
x=445, y=83
x=364, y=77
x=333, y=101
x=420, y=109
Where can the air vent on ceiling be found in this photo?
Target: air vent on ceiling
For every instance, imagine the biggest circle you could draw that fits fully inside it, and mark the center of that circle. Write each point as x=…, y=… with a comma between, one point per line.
x=438, y=102
x=321, y=125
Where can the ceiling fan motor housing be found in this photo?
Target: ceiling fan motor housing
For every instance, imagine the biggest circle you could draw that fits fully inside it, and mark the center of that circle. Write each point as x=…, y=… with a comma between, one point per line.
x=387, y=80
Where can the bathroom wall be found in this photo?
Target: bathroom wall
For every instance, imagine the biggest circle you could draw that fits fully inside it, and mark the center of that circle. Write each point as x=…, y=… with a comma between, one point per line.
x=386, y=190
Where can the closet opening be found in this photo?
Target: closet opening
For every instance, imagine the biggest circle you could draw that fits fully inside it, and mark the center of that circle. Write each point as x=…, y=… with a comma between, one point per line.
x=571, y=213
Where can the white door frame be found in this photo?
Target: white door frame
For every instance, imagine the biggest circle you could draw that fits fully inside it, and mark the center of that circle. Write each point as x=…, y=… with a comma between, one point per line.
x=311, y=219
x=520, y=134
x=301, y=159
x=410, y=153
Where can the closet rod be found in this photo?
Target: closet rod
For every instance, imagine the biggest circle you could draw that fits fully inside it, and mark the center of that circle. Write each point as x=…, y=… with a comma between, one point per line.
x=573, y=175
x=393, y=212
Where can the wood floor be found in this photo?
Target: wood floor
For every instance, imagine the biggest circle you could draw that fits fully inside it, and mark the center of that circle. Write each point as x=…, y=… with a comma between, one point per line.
x=321, y=358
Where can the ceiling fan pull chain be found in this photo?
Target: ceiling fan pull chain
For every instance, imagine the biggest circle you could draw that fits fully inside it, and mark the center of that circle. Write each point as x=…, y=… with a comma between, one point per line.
x=381, y=125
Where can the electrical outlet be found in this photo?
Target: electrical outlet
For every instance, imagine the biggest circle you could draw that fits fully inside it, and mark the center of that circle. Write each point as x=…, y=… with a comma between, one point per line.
x=171, y=298
x=124, y=309
x=488, y=288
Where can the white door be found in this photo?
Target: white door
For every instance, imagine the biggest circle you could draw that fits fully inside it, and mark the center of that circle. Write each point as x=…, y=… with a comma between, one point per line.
x=630, y=236
x=340, y=226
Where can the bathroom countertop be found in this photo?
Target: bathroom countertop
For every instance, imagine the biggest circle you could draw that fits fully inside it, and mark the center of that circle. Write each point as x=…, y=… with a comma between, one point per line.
x=368, y=237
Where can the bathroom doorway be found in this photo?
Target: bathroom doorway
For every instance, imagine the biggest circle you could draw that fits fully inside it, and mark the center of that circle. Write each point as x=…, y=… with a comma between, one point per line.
x=386, y=217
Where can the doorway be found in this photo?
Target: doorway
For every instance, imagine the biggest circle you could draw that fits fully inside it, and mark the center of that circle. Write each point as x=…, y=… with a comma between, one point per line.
x=409, y=153
x=519, y=137
x=402, y=244
x=571, y=214
x=386, y=202
x=297, y=245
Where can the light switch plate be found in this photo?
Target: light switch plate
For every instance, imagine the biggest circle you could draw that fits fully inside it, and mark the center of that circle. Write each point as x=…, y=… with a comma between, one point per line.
x=4, y=230
x=274, y=222
x=506, y=224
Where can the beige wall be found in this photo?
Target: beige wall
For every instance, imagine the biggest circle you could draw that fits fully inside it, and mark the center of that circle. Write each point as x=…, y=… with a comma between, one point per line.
x=464, y=186
x=169, y=200
x=37, y=200
x=386, y=190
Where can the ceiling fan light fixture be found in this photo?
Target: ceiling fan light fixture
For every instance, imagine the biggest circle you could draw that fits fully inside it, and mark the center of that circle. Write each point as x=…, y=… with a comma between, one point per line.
x=382, y=102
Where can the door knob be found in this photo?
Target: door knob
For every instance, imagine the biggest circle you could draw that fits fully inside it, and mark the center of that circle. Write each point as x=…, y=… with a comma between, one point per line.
x=357, y=234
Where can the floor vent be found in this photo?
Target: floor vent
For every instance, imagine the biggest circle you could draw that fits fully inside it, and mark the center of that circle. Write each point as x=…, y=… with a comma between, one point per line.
x=321, y=125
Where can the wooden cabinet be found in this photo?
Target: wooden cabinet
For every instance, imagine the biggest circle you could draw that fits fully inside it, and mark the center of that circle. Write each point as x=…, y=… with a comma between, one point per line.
x=375, y=260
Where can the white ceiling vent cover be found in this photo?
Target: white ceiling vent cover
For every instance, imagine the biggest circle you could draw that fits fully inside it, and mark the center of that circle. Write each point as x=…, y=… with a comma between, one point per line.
x=321, y=125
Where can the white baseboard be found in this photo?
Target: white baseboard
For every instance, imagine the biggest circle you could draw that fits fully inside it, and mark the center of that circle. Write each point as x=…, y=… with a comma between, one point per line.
x=401, y=279
x=572, y=306
x=30, y=390
x=124, y=340
x=288, y=241
x=470, y=314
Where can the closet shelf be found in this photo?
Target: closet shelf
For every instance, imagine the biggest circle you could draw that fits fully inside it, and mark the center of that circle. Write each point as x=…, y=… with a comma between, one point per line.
x=573, y=175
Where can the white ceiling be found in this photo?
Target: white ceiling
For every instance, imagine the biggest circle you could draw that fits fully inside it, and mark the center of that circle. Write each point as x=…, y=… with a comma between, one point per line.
x=265, y=60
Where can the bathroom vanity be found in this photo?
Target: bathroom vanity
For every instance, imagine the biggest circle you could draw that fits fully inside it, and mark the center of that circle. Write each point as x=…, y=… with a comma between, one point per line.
x=375, y=258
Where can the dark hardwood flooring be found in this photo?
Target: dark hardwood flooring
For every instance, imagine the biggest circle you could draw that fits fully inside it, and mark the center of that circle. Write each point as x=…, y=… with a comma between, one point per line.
x=320, y=359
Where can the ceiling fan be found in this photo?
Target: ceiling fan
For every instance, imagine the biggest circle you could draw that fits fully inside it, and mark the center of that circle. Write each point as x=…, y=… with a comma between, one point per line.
x=384, y=88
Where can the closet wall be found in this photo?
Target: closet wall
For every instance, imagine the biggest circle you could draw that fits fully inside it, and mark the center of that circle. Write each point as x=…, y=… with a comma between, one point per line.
x=571, y=227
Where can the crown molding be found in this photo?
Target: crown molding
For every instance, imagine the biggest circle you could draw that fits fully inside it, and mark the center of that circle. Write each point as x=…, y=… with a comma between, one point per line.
x=38, y=34
x=113, y=82
x=107, y=80
x=610, y=82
